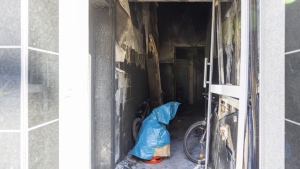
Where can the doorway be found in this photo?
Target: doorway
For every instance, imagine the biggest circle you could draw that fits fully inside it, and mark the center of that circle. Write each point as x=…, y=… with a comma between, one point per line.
x=181, y=25
x=189, y=66
x=179, y=32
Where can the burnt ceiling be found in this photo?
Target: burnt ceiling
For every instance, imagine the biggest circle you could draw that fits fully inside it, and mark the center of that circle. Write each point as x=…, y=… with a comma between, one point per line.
x=179, y=17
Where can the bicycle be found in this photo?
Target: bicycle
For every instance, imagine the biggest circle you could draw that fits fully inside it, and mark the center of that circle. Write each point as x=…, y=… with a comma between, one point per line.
x=194, y=141
x=140, y=115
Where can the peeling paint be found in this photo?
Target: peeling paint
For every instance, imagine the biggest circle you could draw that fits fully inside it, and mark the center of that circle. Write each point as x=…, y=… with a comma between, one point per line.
x=125, y=6
x=117, y=144
x=120, y=53
x=117, y=124
x=121, y=93
x=133, y=22
x=120, y=97
x=123, y=80
x=127, y=34
x=131, y=56
x=118, y=102
x=134, y=39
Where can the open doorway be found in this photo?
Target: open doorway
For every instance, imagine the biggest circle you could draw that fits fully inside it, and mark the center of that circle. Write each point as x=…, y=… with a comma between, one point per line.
x=180, y=32
x=182, y=81
x=189, y=66
x=184, y=33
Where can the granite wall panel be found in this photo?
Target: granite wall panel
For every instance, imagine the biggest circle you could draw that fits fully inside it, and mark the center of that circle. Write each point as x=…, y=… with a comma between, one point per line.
x=43, y=24
x=43, y=144
x=42, y=87
x=292, y=19
x=10, y=150
x=10, y=25
x=292, y=148
x=292, y=89
x=43, y=79
x=10, y=84
x=292, y=81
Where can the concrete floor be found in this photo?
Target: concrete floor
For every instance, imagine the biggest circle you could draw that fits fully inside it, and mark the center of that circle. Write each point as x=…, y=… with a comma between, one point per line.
x=185, y=117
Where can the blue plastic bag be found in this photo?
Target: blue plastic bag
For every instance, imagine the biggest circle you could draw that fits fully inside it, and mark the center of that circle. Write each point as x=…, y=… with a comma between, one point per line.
x=153, y=132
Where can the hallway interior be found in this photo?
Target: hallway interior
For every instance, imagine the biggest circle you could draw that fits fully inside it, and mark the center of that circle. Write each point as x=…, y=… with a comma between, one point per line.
x=185, y=117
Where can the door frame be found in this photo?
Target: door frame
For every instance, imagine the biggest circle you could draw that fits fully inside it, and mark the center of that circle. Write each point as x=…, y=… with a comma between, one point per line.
x=174, y=65
x=74, y=85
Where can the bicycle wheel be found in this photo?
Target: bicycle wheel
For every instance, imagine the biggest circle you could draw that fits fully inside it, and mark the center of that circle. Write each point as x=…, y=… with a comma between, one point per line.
x=193, y=148
x=136, y=125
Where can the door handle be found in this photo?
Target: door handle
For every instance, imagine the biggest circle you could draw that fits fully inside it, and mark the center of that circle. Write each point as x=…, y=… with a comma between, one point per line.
x=205, y=72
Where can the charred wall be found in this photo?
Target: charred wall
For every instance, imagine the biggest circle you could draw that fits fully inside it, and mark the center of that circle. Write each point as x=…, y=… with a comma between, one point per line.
x=134, y=22
x=181, y=24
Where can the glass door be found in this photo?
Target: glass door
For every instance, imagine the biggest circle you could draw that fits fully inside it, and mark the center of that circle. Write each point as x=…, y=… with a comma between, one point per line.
x=228, y=68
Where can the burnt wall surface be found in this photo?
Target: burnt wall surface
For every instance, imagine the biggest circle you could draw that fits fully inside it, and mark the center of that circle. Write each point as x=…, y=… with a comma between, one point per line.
x=132, y=89
x=131, y=78
x=181, y=24
x=292, y=89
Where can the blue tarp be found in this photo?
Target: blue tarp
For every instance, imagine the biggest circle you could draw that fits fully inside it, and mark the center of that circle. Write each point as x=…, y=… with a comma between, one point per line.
x=153, y=132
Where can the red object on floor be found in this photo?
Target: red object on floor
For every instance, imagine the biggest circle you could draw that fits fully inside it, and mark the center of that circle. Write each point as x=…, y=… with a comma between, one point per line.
x=154, y=160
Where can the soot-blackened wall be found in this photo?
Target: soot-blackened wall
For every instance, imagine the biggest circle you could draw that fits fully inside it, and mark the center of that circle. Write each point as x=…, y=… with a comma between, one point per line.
x=131, y=77
x=181, y=24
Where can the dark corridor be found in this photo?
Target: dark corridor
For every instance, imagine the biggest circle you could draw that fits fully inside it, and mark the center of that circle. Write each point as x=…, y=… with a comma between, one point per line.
x=181, y=32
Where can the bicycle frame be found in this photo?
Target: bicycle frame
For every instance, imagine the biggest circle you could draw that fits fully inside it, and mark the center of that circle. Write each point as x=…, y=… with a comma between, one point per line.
x=215, y=112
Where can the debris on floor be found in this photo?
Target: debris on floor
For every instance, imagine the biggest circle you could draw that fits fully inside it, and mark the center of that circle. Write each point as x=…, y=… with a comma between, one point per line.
x=128, y=163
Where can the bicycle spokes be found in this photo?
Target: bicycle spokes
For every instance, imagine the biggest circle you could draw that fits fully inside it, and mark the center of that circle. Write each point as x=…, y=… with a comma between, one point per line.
x=195, y=142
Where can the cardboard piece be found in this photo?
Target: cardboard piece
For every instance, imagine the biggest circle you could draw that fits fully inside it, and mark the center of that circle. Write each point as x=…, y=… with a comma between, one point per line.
x=163, y=151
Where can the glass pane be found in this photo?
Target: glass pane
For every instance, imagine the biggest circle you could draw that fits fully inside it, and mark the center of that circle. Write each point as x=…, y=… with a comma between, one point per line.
x=228, y=43
x=224, y=120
